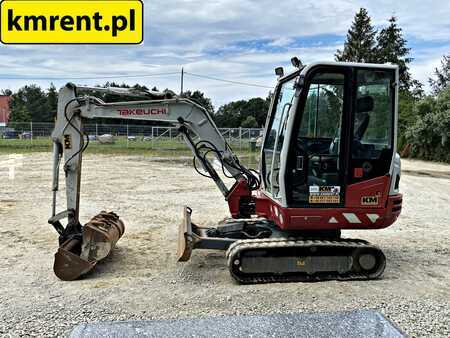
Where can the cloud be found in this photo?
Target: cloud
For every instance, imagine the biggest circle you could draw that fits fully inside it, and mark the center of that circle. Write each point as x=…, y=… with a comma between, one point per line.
x=240, y=40
x=426, y=61
x=282, y=41
x=425, y=20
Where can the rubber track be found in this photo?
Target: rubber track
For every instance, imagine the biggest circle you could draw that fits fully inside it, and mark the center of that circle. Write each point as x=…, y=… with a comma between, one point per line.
x=234, y=250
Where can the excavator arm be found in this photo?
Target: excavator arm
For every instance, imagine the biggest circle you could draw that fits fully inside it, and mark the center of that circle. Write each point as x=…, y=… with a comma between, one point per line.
x=76, y=105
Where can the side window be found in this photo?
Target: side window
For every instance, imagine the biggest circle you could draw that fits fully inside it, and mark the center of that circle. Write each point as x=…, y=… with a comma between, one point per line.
x=373, y=122
x=275, y=137
x=323, y=108
x=372, y=132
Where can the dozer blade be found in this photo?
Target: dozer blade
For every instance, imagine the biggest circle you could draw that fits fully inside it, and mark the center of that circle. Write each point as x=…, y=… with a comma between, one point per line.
x=191, y=237
x=185, y=239
x=76, y=256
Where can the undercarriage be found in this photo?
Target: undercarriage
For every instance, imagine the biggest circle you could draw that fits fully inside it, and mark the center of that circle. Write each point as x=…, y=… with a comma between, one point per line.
x=258, y=252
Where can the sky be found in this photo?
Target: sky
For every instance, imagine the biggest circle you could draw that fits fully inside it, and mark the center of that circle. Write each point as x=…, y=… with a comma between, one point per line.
x=237, y=40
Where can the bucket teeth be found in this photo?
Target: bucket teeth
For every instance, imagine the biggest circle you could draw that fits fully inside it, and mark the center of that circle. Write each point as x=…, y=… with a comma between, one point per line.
x=76, y=256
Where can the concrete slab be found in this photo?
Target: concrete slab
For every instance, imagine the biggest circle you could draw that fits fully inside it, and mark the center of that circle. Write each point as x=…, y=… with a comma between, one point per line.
x=361, y=323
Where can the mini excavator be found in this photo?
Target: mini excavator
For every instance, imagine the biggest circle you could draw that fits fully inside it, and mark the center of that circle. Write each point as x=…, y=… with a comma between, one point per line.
x=328, y=163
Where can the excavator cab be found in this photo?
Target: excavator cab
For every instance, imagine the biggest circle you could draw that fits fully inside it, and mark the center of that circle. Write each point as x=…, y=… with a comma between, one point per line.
x=331, y=136
x=328, y=162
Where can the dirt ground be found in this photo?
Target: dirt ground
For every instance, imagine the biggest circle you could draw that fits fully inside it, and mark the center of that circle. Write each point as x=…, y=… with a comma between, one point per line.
x=142, y=280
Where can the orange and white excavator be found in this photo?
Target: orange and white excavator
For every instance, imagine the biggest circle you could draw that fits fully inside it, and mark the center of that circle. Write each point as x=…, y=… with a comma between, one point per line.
x=328, y=163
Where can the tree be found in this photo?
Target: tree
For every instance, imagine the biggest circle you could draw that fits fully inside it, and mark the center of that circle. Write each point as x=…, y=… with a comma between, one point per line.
x=360, y=44
x=230, y=115
x=19, y=112
x=442, y=118
x=417, y=90
x=391, y=47
x=429, y=134
x=235, y=114
x=258, y=108
x=29, y=104
x=407, y=115
x=442, y=75
x=52, y=100
x=249, y=122
x=200, y=98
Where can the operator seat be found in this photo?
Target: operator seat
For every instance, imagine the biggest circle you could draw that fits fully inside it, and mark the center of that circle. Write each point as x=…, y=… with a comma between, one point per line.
x=364, y=105
x=362, y=118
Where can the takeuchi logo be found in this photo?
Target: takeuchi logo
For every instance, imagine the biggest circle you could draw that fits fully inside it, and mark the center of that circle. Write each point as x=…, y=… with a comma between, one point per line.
x=143, y=111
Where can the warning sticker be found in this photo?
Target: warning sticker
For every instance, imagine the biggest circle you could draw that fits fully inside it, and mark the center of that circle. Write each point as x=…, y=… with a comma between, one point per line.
x=324, y=199
x=67, y=142
x=324, y=194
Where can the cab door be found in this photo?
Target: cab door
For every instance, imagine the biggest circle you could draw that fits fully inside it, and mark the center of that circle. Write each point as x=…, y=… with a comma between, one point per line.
x=275, y=138
x=315, y=175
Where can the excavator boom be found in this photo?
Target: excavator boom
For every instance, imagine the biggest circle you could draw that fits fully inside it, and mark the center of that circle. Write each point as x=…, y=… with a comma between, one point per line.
x=69, y=142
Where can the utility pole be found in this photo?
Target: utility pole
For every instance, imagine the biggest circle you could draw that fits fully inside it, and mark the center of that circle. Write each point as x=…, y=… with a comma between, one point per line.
x=182, y=80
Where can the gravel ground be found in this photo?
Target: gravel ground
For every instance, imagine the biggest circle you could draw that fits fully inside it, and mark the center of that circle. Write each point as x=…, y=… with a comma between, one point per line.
x=141, y=280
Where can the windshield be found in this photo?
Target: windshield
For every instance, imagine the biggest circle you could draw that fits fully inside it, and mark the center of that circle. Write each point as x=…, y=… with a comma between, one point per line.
x=275, y=137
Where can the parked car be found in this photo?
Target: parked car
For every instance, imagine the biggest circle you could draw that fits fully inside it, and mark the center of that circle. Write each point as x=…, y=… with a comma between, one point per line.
x=10, y=133
x=92, y=137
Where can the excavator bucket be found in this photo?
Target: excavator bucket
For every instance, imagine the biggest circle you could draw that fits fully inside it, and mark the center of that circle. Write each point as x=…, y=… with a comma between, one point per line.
x=68, y=265
x=79, y=255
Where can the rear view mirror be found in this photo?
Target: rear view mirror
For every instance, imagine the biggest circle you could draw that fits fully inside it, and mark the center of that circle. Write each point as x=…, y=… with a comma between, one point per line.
x=279, y=71
x=296, y=62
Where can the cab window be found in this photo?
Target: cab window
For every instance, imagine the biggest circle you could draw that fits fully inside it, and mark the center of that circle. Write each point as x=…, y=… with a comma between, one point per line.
x=372, y=144
x=275, y=138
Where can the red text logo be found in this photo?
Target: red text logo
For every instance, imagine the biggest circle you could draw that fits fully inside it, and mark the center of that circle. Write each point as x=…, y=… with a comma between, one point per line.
x=143, y=111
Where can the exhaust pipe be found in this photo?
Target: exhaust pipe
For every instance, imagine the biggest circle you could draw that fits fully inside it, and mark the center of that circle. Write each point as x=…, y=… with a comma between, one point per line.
x=79, y=254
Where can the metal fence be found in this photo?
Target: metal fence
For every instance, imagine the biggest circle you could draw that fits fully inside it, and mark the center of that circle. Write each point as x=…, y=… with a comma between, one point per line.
x=32, y=131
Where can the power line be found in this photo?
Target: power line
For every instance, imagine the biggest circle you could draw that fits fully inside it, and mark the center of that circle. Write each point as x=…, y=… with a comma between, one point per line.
x=133, y=76
x=227, y=81
x=86, y=78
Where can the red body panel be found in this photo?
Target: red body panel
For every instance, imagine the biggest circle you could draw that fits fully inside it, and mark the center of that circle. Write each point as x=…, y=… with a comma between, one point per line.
x=240, y=189
x=367, y=206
